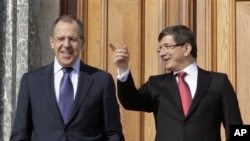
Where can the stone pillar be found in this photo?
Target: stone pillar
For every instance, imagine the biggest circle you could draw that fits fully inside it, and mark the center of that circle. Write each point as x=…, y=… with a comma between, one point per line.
x=24, y=45
x=2, y=69
x=14, y=58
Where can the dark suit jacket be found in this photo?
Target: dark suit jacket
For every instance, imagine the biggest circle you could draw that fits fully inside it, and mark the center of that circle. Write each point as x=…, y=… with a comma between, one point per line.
x=95, y=116
x=214, y=103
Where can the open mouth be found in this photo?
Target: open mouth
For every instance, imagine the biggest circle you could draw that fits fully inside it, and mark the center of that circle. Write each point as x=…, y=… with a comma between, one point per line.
x=67, y=52
x=165, y=59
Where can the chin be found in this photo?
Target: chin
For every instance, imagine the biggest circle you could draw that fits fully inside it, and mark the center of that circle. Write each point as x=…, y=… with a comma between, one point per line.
x=67, y=63
x=168, y=68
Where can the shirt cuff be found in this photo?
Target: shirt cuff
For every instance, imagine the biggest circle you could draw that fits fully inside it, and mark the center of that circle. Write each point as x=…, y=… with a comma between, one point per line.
x=124, y=76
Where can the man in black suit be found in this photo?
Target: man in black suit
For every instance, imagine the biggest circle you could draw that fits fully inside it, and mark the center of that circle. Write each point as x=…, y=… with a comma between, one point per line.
x=210, y=97
x=89, y=112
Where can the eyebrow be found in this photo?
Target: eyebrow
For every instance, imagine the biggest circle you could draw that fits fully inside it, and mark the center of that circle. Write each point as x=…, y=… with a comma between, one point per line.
x=166, y=44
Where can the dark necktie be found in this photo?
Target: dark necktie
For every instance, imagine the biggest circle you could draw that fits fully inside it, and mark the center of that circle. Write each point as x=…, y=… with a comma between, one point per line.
x=66, y=94
x=185, y=93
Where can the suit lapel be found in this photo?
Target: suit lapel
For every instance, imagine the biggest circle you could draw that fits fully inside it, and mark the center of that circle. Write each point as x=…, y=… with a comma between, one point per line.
x=47, y=81
x=172, y=88
x=202, y=86
x=84, y=84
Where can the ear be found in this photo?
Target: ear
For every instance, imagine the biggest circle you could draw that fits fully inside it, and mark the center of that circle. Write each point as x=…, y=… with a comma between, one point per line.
x=82, y=44
x=52, y=44
x=187, y=48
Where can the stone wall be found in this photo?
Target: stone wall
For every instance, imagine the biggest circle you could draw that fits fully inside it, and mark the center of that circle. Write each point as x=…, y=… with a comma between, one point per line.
x=24, y=45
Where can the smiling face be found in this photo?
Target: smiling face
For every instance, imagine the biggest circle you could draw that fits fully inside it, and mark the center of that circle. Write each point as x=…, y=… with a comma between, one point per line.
x=175, y=58
x=66, y=42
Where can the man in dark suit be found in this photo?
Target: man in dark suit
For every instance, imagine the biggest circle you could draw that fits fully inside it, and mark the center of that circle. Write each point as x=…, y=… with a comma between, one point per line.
x=209, y=96
x=88, y=112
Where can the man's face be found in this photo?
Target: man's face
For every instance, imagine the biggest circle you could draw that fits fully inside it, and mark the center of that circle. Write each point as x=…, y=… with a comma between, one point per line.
x=66, y=43
x=173, y=54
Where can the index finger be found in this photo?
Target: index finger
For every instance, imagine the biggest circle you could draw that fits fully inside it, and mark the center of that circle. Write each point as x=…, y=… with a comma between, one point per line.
x=112, y=47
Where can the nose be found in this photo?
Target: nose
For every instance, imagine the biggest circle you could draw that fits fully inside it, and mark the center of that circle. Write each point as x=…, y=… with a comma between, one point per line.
x=66, y=42
x=162, y=52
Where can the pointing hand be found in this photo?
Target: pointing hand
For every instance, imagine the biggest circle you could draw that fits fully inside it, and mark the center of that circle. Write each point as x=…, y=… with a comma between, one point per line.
x=120, y=57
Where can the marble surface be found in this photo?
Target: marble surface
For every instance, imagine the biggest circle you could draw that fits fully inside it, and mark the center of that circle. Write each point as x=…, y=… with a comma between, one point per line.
x=15, y=52
x=2, y=48
x=23, y=45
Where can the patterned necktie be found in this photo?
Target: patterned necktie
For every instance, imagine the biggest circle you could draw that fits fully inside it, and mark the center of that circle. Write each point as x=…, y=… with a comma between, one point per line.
x=185, y=93
x=66, y=94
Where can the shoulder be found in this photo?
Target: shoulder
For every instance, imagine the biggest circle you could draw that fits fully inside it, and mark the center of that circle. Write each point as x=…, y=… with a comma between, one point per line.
x=160, y=77
x=42, y=70
x=212, y=73
x=216, y=77
x=93, y=71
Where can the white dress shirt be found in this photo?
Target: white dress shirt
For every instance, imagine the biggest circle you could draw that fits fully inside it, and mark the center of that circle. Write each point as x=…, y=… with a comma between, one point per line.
x=191, y=77
x=58, y=74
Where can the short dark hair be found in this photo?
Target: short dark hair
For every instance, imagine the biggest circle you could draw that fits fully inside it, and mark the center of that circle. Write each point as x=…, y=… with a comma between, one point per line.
x=70, y=19
x=181, y=34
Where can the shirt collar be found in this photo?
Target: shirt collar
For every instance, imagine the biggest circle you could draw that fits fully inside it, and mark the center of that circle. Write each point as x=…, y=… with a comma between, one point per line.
x=58, y=67
x=191, y=70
